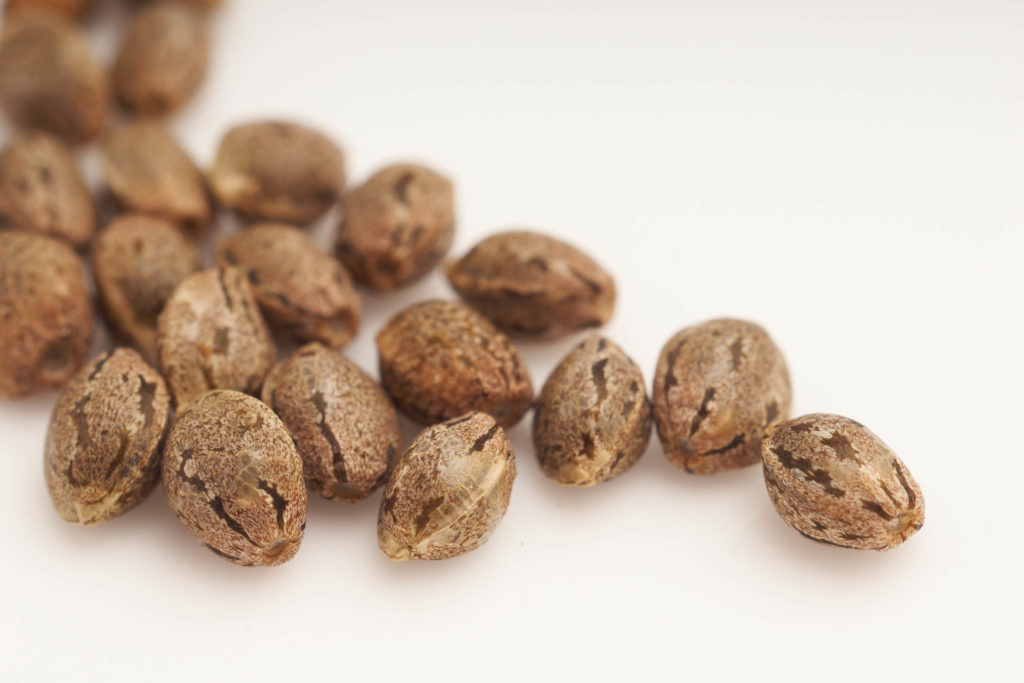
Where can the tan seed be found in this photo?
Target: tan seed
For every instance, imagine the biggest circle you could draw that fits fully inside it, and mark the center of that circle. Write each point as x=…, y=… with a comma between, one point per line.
x=69, y=8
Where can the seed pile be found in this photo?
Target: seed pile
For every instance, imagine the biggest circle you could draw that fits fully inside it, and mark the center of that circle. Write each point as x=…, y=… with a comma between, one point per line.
x=177, y=403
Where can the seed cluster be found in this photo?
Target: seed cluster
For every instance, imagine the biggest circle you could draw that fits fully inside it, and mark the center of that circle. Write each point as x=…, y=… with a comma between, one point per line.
x=178, y=401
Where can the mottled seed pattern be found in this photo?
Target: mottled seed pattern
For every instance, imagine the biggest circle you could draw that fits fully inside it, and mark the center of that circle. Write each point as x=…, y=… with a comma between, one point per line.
x=593, y=419
x=105, y=438
x=41, y=190
x=211, y=335
x=835, y=482
x=442, y=359
x=301, y=290
x=344, y=426
x=397, y=225
x=277, y=171
x=717, y=387
x=448, y=491
x=46, y=316
x=529, y=283
x=138, y=261
x=234, y=479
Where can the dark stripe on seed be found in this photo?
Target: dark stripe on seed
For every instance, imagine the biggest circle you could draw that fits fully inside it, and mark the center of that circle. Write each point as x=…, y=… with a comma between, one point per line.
x=911, y=498
x=479, y=444
x=600, y=381
x=792, y=462
x=279, y=502
x=217, y=504
x=874, y=507
x=222, y=553
x=727, y=447
x=702, y=412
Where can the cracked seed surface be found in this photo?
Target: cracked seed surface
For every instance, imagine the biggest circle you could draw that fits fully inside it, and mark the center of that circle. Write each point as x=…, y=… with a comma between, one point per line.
x=717, y=387
x=41, y=190
x=148, y=172
x=835, y=482
x=442, y=359
x=301, y=290
x=448, y=491
x=343, y=424
x=49, y=78
x=138, y=261
x=211, y=335
x=234, y=479
x=103, y=447
x=593, y=419
x=397, y=225
x=277, y=171
x=46, y=315
x=529, y=283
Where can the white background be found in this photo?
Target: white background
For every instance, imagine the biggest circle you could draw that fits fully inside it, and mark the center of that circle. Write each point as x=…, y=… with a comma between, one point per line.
x=849, y=174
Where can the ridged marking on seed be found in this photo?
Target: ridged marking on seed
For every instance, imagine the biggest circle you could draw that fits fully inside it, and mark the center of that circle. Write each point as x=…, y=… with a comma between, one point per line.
x=217, y=504
x=727, y=447
x=874, y=507
x=911, y=498
x=479, y=444
x=791, y=462
x=279, y=502
x=702, y=411
x=600, y=381
x=423, y=519
x=338, y=459
x=841, y=445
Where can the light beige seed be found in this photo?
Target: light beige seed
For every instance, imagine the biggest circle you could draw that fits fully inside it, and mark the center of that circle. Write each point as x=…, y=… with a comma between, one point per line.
x=104, y=443
x=301, y=290
x=835, y=482
x=344, y=426
x=448, y=491
x=234, y=479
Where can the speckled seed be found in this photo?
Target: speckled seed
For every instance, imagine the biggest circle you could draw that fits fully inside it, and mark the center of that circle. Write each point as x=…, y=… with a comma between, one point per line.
x=300, y=289
x=138, y=261
x=277, y=172
x=41, y=190
x=530, y=283
x=717, y=387
x=162, y=59
x=234, y=479
x=397, y=225
x=448, y=491
x=148, y=172
x=69, y=8
x=104, y=443
x=593, y=419
x=46, y=316
x=210, y=335
x=344, y=426
x=442, y=359
x=49, y=79
x=835, y=482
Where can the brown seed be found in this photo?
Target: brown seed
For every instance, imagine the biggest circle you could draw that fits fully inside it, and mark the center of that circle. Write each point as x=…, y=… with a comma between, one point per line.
x=448, y=491
x=442, y=359
x=397, y=225
x=344, y=426
x=234, y=479
x=162, y=60
x=593, y=419
x=104, y=443
x=46, y=315
x=138, y=262
x=530, y=283
x=300, y=289
x=277, y=172
x=41, y=190
x=69, y=8
x=49, y=79
x=716, y=388
x=148, y=172
x=210, y=335
x=835, y=482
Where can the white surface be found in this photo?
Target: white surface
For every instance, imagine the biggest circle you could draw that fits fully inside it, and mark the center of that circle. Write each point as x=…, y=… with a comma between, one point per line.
x=847, y=174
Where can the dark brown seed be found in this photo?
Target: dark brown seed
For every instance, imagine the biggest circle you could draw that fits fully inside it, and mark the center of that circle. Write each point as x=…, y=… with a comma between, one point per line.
x=448, y=491
x=530, y=283
x=277, y=172
x=138, y=261
x=344, y=426
x=234, y=479
x=300, y=289
x=46, y=316
x=442, y=359
x=104, y=443
x=593, y=419
x=49, y=79
x=69, y=8
x=717, y=387
x=211, y=335
x=397, y=225
x=41, y=190
x=148, y=172
x=835, y=482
